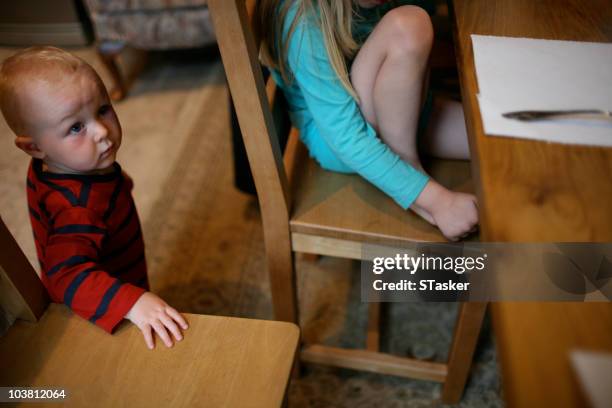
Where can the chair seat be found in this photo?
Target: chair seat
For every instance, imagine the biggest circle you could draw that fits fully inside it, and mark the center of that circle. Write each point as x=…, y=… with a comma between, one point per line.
x=221, y=361
x=347, y=207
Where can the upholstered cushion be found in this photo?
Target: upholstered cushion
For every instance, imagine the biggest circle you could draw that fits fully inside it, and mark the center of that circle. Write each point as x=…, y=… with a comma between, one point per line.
x=123, y=6
x=157, y=24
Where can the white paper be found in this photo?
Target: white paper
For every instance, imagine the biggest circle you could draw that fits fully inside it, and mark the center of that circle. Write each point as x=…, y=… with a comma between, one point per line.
x=594, y=371
x=516, y=74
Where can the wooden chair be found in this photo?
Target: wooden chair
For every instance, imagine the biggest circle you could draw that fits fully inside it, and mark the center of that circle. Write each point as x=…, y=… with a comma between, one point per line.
x=309, y=210
x=221, y=361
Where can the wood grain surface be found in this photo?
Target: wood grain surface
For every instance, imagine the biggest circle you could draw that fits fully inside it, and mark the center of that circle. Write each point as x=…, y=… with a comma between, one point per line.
x=239, y=53
x=221, y=362
x=532, y=191
x=347, y=207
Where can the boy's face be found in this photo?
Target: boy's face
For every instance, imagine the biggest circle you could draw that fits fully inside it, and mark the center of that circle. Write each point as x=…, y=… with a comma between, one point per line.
x=72, y=124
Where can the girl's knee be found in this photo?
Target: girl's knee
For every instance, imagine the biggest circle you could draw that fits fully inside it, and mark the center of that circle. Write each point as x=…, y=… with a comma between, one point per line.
x=410, y=31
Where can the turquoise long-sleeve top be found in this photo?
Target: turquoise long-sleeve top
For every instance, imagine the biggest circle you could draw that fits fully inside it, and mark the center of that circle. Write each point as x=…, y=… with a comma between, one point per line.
x=330, y=122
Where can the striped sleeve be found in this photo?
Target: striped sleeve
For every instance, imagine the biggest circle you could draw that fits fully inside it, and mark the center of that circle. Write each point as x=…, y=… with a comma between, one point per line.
x=73, y=275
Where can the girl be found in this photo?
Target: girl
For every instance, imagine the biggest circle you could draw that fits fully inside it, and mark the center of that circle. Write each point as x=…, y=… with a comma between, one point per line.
x=366, y=121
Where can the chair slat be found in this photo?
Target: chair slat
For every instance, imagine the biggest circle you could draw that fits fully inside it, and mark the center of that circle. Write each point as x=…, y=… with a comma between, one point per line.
x=243, y=71
x=250, y=10
x=242, y=68
x=371, y=361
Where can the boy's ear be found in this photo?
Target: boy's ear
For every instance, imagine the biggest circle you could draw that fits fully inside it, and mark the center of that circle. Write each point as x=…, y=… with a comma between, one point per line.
x=26, y=143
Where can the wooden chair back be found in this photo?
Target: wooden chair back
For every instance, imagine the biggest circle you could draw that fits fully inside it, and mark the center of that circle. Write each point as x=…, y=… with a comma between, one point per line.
x=252, y=100
x=22, y=294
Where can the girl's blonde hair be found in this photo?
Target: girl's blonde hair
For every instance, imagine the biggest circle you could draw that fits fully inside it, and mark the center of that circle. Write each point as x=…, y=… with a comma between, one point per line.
x=335, y=19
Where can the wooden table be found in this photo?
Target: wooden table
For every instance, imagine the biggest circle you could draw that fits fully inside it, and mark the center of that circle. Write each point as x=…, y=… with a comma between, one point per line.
x=221, y=362
x=531, y=191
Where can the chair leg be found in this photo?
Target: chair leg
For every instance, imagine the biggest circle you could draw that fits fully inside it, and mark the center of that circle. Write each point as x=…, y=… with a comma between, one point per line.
x=109, y=53
x=281, y=270
x=313, y=258
x=373, y=336
x=467, y=330
x=282, y=277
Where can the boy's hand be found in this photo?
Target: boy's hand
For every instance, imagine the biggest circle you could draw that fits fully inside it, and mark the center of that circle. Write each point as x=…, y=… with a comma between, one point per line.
x=151, y=312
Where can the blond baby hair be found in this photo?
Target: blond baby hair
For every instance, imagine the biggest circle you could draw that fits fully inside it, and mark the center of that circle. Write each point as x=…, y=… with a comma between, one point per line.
x=49, y=64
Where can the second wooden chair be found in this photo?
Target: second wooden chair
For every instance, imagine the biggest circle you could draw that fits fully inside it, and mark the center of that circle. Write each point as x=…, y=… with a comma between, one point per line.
x=307, y=209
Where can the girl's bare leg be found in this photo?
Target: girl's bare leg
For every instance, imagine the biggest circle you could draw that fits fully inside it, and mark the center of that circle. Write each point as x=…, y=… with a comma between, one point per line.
x=446, y=136
x=388, y=77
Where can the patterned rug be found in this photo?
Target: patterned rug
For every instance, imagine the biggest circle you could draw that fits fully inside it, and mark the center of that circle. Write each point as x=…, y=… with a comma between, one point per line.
x=205, y=243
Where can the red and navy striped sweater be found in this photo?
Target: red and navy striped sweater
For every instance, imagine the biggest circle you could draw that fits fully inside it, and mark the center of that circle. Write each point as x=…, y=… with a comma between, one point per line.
x=89, y=242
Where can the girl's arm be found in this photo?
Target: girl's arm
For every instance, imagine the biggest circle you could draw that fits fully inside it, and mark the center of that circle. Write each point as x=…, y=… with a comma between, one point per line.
x=339, y=120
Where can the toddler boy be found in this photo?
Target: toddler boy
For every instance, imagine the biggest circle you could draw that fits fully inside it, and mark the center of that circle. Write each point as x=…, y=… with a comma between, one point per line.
x=86, y=229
